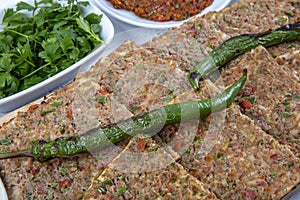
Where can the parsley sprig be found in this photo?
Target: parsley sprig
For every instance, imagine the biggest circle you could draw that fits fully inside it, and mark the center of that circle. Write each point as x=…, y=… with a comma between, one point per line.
x=40, y=40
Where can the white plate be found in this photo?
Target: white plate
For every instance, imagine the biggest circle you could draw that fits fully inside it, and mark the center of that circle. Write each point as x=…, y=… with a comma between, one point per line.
x=3, y=194
x=39, y=90
x=131, y=18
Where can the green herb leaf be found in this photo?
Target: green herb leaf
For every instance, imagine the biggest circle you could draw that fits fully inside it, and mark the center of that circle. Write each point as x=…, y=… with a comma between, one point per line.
x=101, y=99
x=51, y=50
x=107, y=182
x=93, y=18
x=8, y=84
x=67, y=44
x=6, y=64
x=83, y=25
x=285, y=115
x=28, y=82
x=86, y=27
x=24, y=6
x=6, y=141
x=122, y=190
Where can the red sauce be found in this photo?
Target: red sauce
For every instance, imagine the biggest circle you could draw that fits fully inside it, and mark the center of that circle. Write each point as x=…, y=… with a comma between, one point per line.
x=163, y=10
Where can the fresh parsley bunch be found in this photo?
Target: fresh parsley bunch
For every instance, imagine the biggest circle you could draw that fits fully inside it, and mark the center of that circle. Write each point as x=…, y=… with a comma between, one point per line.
x=40, y=40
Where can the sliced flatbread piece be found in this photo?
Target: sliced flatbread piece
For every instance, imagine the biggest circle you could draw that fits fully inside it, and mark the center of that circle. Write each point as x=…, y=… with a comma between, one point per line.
x=141, y=80
x=138, y=173
x=270, y=96
x=188, y=44
x=250, y=16
x=288, y=54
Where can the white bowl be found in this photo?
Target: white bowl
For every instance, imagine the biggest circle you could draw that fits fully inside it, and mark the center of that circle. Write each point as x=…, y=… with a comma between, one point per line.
x=19, y=99
x=130, y=18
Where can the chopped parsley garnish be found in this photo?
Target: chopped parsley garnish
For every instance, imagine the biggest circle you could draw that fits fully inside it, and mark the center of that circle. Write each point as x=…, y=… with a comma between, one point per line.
x=40, y=40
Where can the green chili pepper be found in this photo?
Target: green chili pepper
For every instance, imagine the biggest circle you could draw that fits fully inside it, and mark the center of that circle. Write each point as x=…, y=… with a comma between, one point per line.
x=146, y=123
x=238, y=45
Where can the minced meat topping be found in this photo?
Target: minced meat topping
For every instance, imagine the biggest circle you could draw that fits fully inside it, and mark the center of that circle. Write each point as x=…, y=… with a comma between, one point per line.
x=163, y=10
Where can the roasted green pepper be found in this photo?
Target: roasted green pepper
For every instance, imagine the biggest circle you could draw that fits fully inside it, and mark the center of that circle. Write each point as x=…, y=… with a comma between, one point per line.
x=146, y=123
x=238, y=45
